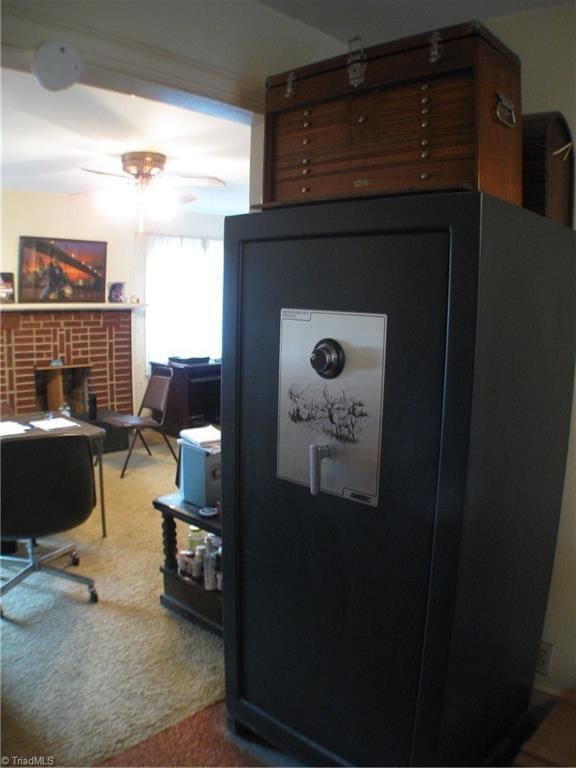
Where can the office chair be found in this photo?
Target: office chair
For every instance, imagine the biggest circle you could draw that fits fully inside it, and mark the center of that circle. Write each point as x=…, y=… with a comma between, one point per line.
x=155, y=400
x=47, y=487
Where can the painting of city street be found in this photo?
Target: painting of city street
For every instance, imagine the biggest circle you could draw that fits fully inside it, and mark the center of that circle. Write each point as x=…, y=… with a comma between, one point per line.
x=61, y=270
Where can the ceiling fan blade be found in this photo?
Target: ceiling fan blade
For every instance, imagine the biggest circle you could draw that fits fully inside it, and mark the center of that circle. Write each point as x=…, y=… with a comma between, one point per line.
x=200, y=181
x=106, y=173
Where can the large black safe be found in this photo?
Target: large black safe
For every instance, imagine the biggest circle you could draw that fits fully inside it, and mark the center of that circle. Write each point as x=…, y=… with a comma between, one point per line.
x=397, y=387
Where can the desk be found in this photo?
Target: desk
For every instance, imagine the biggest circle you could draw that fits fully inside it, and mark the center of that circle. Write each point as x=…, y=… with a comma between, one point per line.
x=94, y=433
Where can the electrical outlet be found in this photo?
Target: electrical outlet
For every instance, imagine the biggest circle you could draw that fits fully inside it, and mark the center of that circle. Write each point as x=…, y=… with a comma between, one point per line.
x=544, y=664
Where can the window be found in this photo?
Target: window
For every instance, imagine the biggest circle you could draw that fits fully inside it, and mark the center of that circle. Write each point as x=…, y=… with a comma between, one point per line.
x=183, y=297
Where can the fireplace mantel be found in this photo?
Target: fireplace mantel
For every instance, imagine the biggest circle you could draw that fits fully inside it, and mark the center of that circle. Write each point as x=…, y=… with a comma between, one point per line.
x=64, y=307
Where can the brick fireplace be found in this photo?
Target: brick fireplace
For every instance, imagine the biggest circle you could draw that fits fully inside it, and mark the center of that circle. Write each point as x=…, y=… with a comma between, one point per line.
x=100, y=340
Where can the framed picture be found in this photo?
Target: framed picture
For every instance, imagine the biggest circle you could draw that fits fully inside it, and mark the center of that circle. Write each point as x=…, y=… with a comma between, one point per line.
x=61, y=270
x=116, y=293
x=6, y=287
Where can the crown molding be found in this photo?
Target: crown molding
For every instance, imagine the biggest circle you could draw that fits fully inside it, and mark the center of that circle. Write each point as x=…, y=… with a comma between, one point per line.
x=117, y=62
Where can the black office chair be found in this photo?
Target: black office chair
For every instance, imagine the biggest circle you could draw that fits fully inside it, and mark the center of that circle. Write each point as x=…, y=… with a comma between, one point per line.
x=47, y=487
x=155, y=401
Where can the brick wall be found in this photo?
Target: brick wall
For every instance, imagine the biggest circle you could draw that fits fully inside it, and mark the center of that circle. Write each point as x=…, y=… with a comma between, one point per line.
x=101, y=339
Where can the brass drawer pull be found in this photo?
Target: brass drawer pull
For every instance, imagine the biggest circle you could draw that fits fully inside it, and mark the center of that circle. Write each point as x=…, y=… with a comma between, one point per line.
x=305, y=189
x=424, y=124
x=424, y=155
x=424, y=100
x=305, y=161
x=424, y=142
x=361, y=119
x=307, y=112
x=305, y=141
x=306, y=124
x=505, y=110
x=424, y=111
x=424, y=176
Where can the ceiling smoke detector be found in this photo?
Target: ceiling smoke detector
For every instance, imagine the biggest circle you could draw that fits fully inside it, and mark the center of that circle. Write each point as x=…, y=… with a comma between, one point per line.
x=143, y=166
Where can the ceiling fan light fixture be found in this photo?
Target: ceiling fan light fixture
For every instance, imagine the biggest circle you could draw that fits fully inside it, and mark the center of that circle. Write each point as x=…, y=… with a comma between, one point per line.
x=143, y=165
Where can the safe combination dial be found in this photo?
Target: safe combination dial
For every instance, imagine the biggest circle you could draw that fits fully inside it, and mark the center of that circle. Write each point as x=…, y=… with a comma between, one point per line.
x=327, y=358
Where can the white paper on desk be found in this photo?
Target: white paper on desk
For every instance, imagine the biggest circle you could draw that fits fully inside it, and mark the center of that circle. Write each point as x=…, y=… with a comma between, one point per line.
x=58, y=423
x=11, y=428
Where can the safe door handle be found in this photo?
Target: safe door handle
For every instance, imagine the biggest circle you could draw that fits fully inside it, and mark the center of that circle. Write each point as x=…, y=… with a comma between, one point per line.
x=315, y=455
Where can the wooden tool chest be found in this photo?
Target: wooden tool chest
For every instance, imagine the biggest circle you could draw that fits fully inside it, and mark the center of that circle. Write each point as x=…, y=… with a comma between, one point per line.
x=548, y=166
x=431, y=112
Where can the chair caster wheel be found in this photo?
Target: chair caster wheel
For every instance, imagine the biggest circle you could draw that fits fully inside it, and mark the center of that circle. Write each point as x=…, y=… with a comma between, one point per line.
x=93, y=596
x=74, y=559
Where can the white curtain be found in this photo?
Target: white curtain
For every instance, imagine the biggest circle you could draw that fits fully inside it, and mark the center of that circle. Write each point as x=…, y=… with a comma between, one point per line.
x=183, y=297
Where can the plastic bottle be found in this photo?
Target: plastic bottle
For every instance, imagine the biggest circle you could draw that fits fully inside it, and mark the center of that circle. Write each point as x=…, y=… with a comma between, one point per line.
x=195, y=537
x=198, y=562
x=210, y=569
x=219, y=569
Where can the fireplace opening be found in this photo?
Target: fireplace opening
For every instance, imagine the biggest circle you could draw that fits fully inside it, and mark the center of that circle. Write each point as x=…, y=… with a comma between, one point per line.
x=63, y=385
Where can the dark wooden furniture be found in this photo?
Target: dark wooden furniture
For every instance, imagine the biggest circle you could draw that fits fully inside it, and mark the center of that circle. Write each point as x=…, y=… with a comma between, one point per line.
x=405, y=633
x=194, y=397
x=182, y=593
x=430, y=112
x=548, y=166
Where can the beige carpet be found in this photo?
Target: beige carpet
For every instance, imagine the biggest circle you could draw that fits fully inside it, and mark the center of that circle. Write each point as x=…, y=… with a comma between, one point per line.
x=82, y=682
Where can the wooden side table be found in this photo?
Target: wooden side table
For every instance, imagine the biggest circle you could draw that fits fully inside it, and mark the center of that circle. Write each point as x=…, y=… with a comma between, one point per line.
x=182, y=594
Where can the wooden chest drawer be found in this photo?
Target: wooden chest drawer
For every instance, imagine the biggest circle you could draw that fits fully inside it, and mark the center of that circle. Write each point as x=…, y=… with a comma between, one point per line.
x=311, y=139
x=433, y=149
x=316, y=127
x=405, y=177
x=378, y=114
x=456, y=104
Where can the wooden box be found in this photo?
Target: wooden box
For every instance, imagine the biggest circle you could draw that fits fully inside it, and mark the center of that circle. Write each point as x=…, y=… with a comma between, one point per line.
x=437, y=111
x=548, y=166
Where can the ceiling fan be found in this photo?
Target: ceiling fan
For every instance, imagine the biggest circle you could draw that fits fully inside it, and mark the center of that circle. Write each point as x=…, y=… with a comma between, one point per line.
x=145, y=166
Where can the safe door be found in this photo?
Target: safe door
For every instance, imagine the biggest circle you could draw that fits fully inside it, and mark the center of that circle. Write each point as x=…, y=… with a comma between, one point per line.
x=334, y=514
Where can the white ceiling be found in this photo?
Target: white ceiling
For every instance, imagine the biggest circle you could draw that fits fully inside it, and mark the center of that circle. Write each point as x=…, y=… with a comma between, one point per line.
x=378, y=21
x=48, y=137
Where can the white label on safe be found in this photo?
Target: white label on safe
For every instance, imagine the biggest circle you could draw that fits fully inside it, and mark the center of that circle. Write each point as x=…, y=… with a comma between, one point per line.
x=295, y=314
x=344, y=412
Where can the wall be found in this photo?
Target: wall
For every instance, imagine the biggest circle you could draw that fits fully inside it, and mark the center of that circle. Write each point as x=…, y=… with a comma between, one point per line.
x=546, y=43
x=73, y=216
